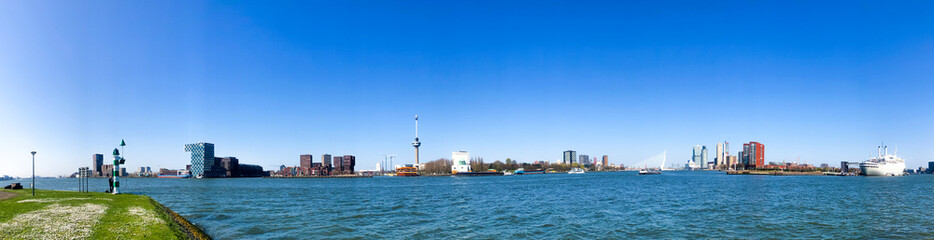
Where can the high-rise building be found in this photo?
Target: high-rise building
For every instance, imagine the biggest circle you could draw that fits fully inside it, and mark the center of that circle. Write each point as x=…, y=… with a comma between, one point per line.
x=720, y=158
x=753, y=155
x=338, y=163
x=569, y=157
x=326, y=161
x=305, y=161
x=97, y=160
x=583, y=159
x=700, y=156
x=726, y=148
x=606, y=160
x=695, y=155
x=726, y=154
x=745, y=155
x=202, y=159
x=348, y=162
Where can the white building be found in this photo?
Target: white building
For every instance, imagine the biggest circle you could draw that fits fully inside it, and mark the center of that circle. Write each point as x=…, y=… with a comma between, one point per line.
x=691, y=165
x=720, y=157
x=723, y=155
x=460, y=162
x=700, y=156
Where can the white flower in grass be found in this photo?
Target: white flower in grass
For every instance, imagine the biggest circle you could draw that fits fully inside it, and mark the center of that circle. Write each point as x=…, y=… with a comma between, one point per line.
x=54, y=222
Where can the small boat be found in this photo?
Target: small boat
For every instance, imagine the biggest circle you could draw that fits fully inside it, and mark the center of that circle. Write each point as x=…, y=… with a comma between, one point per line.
x=519, y=171
x=508, y=173
x=576, y=171
x=646, y=171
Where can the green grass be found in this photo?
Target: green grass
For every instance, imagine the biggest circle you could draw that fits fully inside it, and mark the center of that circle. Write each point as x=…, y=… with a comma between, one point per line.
x=61, y=214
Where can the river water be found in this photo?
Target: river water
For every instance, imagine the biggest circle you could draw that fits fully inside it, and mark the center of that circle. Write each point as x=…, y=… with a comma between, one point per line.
x=620, y=205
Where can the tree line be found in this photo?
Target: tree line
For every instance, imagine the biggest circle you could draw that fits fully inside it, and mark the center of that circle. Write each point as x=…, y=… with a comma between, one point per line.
x=477, y=164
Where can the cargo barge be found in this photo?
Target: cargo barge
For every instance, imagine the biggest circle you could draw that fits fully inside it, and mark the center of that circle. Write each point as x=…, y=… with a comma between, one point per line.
x=477, y=174
x=461, y=166
x=174, y=176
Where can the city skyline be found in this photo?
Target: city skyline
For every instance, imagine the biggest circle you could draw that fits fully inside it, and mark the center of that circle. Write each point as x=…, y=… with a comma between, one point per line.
x=267, y=82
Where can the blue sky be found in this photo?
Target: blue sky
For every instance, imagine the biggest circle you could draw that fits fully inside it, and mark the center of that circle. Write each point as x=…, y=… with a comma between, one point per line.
x=266, y=81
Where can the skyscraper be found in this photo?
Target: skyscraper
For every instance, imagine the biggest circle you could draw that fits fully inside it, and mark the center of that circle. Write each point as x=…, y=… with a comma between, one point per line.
x=720, y=158
x=348, y=163
x=726, y=148
x=97, y=160
x=202, y=159
x=700, y=156
x=326, y=161
x=606, y=160
x=569, y=157
x=338, y=163
x=305, y=161
x=583, y=159
x=753, y=154
x=726, y=154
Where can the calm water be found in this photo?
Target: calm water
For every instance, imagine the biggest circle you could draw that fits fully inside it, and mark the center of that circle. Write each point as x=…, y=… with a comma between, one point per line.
x=592, y=205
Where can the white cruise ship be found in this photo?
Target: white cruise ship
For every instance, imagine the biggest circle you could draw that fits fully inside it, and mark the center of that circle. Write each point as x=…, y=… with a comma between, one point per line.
x=884, y=164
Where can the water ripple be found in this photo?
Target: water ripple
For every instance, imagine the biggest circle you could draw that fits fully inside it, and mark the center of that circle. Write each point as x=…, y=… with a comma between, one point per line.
x=619, y=205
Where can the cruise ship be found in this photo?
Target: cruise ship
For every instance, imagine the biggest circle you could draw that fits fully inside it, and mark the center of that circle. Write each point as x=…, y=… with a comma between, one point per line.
x=884, y=164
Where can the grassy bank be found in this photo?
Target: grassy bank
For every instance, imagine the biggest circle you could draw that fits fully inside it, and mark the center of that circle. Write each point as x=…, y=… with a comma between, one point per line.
x=73, y=215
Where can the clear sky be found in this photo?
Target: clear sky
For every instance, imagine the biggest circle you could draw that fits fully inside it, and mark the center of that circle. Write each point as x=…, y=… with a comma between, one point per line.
x=266, y=81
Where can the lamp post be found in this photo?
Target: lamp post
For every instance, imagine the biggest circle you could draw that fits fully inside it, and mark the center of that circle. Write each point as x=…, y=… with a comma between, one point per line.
x=33, y=173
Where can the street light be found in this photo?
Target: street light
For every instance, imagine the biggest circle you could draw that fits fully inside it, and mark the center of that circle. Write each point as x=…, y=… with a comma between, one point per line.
x=33, y=173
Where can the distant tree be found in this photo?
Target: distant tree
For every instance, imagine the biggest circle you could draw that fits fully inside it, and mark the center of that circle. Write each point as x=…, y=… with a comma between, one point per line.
x=498, y=165
x=477, y=164
x=439, y=166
